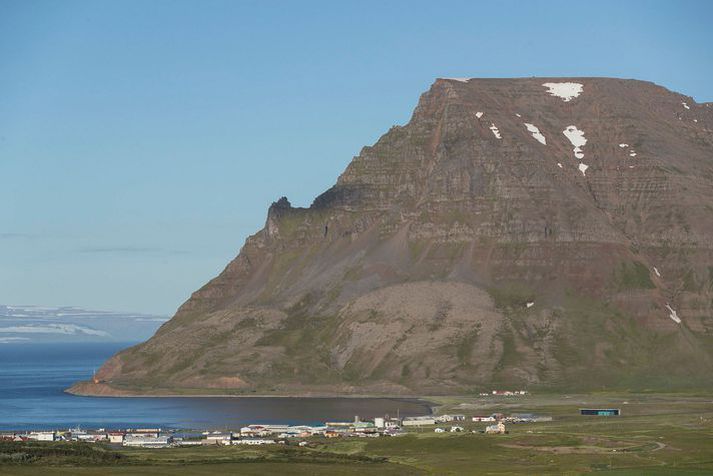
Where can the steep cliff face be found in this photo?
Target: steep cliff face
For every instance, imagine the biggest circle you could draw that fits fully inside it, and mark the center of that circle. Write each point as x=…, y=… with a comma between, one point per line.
x=525, y=232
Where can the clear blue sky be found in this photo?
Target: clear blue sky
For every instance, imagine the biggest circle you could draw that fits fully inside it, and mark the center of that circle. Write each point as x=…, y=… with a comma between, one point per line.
x=142, y=141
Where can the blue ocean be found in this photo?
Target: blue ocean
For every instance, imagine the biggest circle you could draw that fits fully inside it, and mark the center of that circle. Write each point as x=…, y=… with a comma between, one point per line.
x=33, y=378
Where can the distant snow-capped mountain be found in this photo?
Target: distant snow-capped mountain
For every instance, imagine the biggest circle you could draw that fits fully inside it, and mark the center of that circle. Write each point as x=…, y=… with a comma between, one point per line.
x=61, y=324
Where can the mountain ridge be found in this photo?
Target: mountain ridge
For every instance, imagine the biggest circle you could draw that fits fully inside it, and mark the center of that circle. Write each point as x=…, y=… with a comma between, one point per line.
x=510, y=233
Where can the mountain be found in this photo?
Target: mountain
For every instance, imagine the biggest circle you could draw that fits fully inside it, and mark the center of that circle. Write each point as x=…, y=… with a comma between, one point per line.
x=541, y=233
x=31, y=324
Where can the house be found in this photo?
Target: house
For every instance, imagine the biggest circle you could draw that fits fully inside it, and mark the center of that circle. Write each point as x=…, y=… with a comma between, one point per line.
x=87, y=437
x=450, y=418
x=42, y=436
x=497, y=429
x=115, y=437
x=393, y=423
x=483, y=418
x=509, y=393
x=218, y=439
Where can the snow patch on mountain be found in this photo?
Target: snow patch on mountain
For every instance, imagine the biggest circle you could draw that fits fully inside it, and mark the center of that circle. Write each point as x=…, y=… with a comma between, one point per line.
x=576, y=137
x=495, y=130
x=673, y=315
x=566, y=91
x=536, y=133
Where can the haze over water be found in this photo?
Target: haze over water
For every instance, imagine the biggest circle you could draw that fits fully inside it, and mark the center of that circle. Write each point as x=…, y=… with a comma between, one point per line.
x=33, y=378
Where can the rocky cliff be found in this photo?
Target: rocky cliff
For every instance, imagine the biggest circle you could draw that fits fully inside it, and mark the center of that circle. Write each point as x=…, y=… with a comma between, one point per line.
x=540, y=232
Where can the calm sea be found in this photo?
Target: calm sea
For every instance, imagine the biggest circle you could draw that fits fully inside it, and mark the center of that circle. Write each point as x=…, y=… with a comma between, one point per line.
x=33, y=377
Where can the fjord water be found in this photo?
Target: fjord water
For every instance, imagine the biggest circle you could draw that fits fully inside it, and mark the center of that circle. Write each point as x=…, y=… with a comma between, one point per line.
x=33, y=378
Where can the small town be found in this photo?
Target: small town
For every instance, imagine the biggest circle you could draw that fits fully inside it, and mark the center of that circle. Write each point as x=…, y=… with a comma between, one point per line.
x=301, y=435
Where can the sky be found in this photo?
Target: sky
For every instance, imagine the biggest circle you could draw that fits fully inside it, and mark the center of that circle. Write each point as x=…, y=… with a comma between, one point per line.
x=142, y=142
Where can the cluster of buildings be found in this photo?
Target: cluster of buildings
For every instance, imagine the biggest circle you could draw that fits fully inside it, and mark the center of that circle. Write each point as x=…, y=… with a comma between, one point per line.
x=498, y=427
x=259, y=434
x=431, y=420
x=504, y=393
x=498, y=420
x=514, y=418
x=149, y=437
x=263, y=434
x=256, y=434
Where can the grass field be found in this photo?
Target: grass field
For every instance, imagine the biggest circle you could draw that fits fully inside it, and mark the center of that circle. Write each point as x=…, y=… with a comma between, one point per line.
x=656, y=435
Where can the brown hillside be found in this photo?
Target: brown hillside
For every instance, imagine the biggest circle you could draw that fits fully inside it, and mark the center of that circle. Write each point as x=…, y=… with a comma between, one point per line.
x=481, y=244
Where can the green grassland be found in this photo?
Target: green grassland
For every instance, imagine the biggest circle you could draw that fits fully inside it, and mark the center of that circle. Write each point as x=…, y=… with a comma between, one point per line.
x=657, y=434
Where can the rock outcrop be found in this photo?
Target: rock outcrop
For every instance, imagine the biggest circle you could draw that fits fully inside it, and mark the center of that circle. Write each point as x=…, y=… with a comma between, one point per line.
x=529, y=232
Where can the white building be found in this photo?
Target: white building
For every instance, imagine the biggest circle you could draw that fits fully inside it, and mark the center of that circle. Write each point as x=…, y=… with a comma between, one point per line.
x=379, y=422
x=484, y=418
x=148, y=441
x=219, y=438
x=189, y=442
x=42, y=435
x=418, y=421
x=498, y=428
x=253, y=441
x=450, y=418
x=115, y=437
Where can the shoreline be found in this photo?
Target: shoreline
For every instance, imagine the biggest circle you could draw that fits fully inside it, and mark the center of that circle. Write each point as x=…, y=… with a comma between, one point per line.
x=427, y=401
x=269, y=395
x=104, y=390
